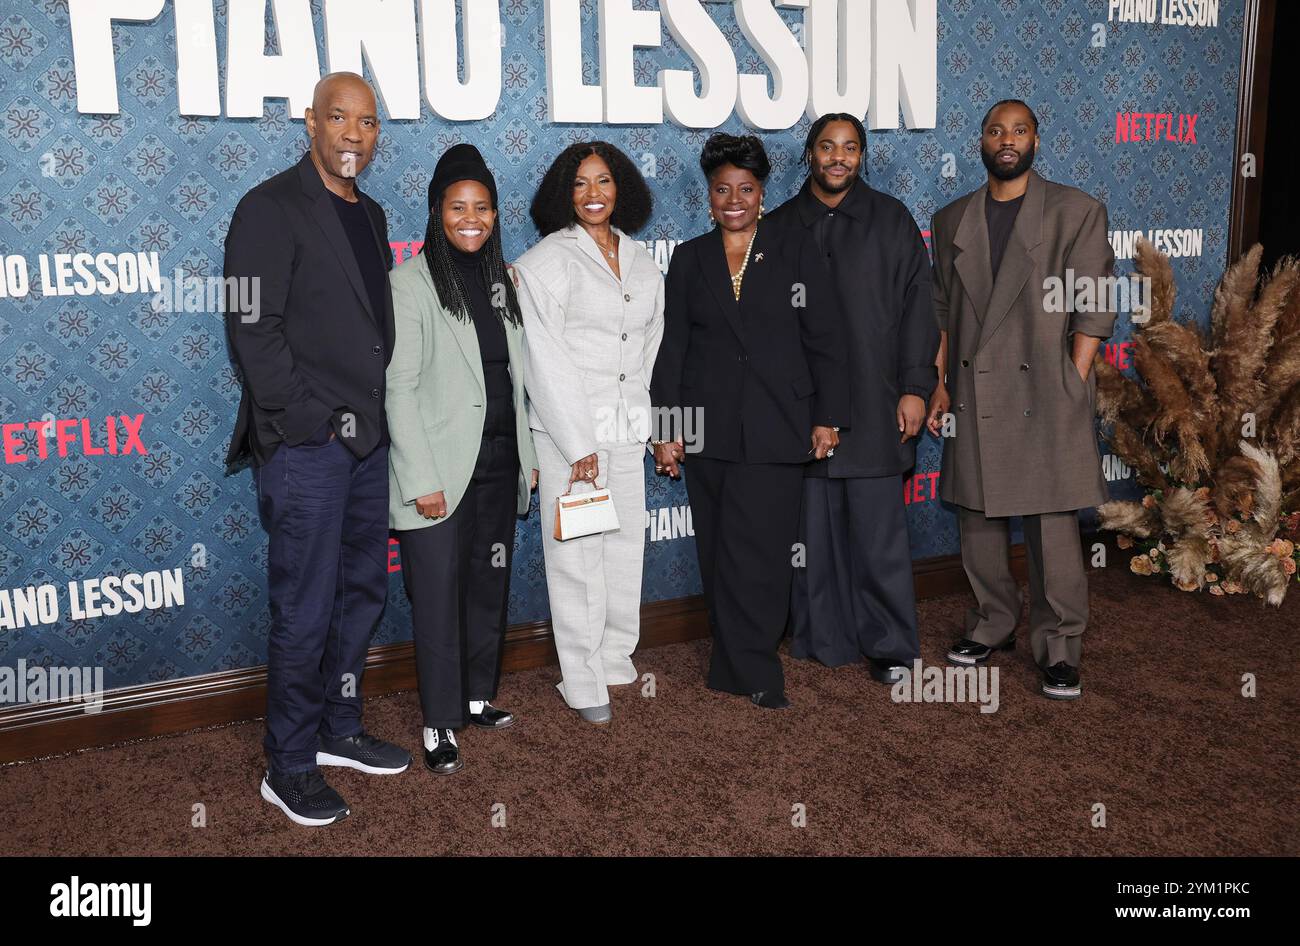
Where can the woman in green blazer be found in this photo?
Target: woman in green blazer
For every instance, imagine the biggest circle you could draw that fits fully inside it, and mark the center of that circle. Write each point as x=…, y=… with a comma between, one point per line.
x=461, y=464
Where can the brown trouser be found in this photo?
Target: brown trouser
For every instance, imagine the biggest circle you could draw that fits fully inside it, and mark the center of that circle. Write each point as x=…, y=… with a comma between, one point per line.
x=1058, y=587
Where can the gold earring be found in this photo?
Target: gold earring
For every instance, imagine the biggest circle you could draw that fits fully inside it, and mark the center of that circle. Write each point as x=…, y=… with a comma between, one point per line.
x=761, y=209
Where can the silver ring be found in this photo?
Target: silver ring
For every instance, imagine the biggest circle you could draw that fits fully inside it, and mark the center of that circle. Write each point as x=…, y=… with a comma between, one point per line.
x=830, y=452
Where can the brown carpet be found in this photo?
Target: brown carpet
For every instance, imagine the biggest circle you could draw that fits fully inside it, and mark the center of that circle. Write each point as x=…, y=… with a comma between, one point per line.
x=1163, y=737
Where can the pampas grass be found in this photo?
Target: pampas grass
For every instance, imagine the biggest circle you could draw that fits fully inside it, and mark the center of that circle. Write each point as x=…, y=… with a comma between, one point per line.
x=1211, y=427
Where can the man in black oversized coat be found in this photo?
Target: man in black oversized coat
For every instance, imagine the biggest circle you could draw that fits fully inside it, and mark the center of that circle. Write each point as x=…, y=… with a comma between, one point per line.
x=854, y=596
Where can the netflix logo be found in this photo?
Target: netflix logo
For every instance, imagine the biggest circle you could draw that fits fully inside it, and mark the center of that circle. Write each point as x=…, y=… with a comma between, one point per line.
x=117, y=435
x=1119, y=355
x=921, y=488
x=1155, y=126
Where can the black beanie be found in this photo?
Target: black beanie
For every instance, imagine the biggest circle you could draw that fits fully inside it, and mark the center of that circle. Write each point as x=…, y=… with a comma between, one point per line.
x=461, y=162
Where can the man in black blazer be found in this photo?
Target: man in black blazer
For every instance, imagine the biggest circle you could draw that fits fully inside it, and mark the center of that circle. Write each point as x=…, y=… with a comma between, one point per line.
x=312, y=352
x=855, y=598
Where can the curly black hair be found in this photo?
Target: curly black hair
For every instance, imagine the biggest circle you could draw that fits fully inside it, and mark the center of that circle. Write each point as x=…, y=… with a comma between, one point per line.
x=744, y=152
x=552, y=207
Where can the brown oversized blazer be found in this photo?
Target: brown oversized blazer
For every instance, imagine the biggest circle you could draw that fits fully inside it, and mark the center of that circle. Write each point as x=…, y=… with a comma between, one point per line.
x=1025, y=440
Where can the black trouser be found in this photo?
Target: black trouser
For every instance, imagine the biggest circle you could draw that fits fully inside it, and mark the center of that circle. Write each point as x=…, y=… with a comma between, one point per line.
x=855, y=596
x=746, y=517
x=457, y=577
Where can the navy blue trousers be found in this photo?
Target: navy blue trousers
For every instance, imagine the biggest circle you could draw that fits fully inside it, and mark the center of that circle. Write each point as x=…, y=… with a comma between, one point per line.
x=326, y=513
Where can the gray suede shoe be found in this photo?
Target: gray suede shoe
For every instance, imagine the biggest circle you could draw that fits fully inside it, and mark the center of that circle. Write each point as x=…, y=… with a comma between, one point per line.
x=596, y=714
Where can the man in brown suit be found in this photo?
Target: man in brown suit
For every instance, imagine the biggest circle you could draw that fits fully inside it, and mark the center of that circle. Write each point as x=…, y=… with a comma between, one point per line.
x=1018, y=426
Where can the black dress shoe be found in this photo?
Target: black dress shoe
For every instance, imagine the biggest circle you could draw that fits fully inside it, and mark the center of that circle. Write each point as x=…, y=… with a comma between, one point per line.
x=1061, y=682
x=886, y=669
x=968, y=652
x=492, y=718
x=769, y=699
x=441, y=754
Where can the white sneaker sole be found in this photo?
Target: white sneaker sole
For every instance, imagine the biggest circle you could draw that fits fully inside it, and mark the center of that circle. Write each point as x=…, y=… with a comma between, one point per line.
x=269, y=794
x=324, y=758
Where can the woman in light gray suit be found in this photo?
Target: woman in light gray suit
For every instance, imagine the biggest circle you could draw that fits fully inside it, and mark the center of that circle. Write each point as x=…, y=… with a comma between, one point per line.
x=593, y=302
x=461, y=464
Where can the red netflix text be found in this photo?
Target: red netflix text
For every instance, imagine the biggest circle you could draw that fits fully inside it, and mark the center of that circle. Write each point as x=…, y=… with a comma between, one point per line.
x=117, y=435
x=1153, y=126
x=1117, y=354
x=921, y=488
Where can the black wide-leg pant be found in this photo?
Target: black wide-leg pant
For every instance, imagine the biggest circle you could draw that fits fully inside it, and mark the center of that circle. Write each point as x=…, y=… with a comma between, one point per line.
x=457, y=577
x=855, y=596
x=746, y=517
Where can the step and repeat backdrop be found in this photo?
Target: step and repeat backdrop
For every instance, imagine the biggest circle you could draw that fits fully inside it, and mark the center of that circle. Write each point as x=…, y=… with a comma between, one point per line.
x=129, y=129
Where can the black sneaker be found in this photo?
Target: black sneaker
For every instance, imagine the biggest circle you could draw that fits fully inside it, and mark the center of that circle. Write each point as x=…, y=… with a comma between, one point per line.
x=304, y=797
x=364, y=753
x=1061, y=682
x=968, y=653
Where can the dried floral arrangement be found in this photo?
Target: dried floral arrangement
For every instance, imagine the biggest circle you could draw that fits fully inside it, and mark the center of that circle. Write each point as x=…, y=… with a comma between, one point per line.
x=1212, y=431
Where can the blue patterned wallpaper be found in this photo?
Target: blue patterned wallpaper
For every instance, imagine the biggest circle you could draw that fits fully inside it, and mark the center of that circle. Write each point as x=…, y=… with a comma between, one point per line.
x=151, y=180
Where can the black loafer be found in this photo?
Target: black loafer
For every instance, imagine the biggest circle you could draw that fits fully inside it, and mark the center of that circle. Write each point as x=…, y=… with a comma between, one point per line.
x=886, y=669
x=769, y=699
x=443, y=758
x=492, y=718
x=967, y=652
x=1061, y=682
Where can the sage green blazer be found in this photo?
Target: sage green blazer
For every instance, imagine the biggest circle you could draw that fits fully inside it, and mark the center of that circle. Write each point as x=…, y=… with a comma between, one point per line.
x=437, y=401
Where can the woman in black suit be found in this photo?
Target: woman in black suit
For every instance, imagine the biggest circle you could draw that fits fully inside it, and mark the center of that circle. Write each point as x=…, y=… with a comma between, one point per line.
x=752, y=349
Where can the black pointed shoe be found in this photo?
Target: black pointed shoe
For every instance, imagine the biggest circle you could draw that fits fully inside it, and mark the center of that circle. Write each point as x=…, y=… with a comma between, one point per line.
x=441, y=754
x=492, y=717
x=769, y=699
x=1061, y=682
x=886, y=669
x=967, y=652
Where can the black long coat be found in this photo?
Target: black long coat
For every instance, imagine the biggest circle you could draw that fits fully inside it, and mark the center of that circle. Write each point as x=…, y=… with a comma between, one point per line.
x=881, y=273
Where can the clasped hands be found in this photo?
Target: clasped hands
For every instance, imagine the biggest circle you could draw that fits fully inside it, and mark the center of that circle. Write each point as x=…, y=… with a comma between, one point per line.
x=670, y=454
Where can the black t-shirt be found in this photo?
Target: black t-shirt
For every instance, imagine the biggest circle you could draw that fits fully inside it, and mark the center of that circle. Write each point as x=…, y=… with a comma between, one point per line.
x=1001, y=218
x=356, y=224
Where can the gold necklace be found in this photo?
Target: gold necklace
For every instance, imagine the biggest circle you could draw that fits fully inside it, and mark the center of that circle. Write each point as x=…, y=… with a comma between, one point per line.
x=608, y=249
x=737, y=279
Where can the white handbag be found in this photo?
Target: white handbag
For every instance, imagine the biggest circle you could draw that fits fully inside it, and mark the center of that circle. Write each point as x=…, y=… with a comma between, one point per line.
x=585, y=514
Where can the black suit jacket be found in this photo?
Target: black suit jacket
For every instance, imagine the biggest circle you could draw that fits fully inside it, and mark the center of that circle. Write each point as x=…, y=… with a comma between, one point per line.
x=766, y=365
x=881, y=272
x=315, y=352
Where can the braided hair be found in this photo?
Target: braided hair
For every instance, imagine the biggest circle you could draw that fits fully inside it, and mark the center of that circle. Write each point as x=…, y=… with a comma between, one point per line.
x=447, y=280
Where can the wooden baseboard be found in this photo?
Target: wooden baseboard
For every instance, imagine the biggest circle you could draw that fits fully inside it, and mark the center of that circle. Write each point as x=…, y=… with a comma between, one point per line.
x=213, y=699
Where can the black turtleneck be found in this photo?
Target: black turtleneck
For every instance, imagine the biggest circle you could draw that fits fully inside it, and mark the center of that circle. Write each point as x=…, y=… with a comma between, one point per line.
x=487, y=324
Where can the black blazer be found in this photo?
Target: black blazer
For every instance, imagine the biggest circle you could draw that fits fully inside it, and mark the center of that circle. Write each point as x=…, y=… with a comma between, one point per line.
x=766, y=365
x=882, y=278
x=315, y=351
